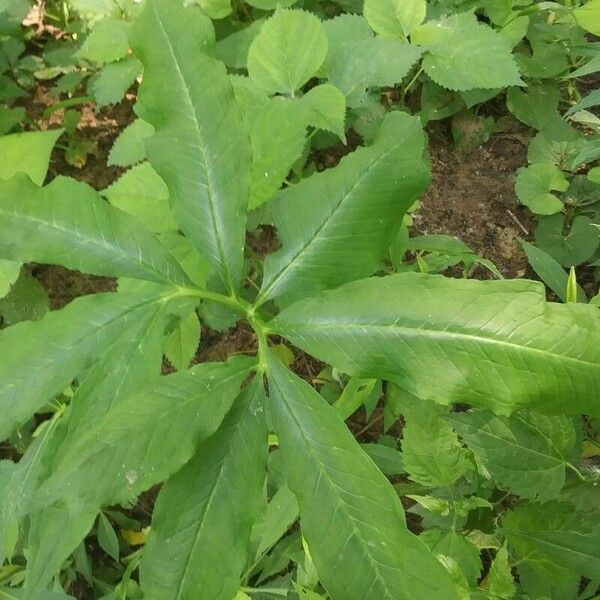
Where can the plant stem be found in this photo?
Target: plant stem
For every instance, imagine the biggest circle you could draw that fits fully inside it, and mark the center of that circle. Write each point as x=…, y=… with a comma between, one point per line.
x=241, y=306
x=411, y=83
x=275, y=591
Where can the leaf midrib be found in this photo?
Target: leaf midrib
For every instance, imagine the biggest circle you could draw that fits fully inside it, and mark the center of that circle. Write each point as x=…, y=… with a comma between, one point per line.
x=87, y=241
x=203, y=517
x=216, y=223
x=291, y=264
x=332, y=486
x=439, y=334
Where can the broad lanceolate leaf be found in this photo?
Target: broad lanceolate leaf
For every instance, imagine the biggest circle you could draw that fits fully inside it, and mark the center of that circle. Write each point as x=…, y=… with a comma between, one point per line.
x=134, y=360
x=27, y=152
x=335, y=225
x=554, y=532
x=527, y=452
x=147, y=436
x=489, y=343
x=68, y=223
x=287, y=52
x=431, y=451
x=217, y=496
x=142, y=440
x=465, y=54
x=200, y=147
x=39, y=358
x=549, y=271
x=349, y=513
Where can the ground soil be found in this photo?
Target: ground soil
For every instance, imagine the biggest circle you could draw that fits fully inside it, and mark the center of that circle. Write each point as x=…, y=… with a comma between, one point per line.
x=472, y=197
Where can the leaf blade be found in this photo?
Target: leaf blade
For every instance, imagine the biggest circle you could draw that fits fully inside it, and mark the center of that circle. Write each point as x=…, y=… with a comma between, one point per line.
x=486, y=343
x=322, y=245
x=199, y=147
x=211, y=510
x=359, y=528
x=68, y=223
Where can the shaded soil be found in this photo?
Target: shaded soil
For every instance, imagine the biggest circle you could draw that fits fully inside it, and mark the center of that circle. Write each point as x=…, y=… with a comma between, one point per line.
x=100, y=127
x=473, y=198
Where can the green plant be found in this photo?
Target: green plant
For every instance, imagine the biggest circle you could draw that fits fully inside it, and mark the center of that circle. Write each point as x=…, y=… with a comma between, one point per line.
x=115, y=427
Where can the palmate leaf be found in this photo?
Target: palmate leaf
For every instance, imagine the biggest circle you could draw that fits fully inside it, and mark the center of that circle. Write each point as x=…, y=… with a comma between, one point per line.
x=200, y=147
x=143, y=439
x=68, y=223
x=217, y=496
x=497, y=344
x=527, y=452
x=39, y=358
x=335, y=225
x=554, y=533
x=350, y=515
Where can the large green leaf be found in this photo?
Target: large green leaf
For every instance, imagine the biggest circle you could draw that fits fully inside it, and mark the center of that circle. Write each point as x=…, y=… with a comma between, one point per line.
x=200, y=147
x=465, y=54
x=39, y=358
x=147, y=436
x=68, y=223
x=497, y=344
x=27, y=152
x=527, y=452
x=142, y=440
x=336, y=225
x=133, y=361
x=349, y=513
x=217, y=496
x=554, y=532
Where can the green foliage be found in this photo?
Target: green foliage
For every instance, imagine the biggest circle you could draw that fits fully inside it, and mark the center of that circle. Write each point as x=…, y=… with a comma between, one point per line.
x=287, y=52
x=455, y=59
x=526, y=453
x=481, y=386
